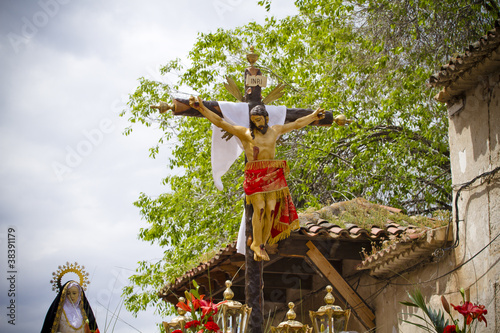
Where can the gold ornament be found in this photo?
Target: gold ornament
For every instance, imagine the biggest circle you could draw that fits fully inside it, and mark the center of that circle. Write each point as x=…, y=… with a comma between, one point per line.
x=69, y=268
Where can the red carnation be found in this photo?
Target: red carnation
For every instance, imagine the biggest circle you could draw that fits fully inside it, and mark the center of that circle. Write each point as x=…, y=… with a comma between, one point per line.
x=192, y=323
x=212, y=326
x=447, y=329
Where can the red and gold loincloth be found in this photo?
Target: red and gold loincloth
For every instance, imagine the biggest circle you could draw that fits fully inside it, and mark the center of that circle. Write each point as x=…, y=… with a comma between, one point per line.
x=265, y=180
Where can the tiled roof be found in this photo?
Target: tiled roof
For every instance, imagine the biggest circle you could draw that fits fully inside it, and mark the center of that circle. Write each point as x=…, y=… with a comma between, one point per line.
x=464, y=71
x=224, y=254
x=407, y=252
x=313, y=225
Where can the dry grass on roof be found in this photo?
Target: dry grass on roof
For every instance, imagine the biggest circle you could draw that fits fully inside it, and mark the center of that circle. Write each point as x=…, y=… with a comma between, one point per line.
x=365, y=215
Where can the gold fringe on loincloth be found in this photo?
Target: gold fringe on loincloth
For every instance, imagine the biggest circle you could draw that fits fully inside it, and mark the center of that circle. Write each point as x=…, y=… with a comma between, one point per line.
x=262, y=164
x=285, y=233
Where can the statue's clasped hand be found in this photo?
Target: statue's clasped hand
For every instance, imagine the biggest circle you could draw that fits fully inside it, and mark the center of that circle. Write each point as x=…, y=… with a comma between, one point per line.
x=195, y=102
x=320, y=113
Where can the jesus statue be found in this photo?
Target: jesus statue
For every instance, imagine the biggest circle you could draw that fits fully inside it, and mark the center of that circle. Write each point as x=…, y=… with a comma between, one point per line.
x=274, y=214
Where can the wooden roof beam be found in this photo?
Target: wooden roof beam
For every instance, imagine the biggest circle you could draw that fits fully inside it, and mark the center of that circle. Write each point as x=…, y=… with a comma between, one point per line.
x=358, y=306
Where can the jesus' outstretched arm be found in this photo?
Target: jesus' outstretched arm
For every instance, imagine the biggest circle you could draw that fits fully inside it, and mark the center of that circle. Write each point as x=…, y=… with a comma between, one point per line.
x=197, y=103
x=301, y=122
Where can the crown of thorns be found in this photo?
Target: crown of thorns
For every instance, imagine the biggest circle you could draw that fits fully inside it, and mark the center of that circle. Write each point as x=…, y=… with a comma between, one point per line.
x=69, y=268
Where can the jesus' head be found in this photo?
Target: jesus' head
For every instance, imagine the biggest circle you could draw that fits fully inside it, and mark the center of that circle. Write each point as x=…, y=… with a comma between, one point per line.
x=259, y=119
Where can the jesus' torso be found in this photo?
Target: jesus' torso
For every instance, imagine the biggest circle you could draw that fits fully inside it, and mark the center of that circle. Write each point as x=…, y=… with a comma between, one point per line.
x=262, y=147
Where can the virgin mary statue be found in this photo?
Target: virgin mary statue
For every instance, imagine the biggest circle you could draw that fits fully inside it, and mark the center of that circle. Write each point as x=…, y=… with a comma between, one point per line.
x=70, y=311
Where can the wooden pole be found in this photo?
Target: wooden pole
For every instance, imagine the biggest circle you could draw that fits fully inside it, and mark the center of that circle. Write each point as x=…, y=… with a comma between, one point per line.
x=253, y=279
x=253, y=272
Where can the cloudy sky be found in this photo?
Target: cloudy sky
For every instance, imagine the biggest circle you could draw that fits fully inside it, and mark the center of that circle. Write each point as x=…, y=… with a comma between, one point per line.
x=68, y=177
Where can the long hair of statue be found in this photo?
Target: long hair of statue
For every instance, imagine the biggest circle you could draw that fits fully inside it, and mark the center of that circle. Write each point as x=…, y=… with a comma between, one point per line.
x=49, y=324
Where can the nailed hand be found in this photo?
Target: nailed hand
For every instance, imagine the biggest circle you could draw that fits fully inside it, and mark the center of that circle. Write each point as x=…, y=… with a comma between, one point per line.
x=195, y=102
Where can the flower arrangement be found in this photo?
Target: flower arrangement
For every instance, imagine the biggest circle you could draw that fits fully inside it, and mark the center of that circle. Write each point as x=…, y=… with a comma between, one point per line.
x=469, y=310
x=202, y=312
x=435, y=321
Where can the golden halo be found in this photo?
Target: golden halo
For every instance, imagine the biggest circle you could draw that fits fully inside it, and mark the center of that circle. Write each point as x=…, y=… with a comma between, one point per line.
x=69, y=268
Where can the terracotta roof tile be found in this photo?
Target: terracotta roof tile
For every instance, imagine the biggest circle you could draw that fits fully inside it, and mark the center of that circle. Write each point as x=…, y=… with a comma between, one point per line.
x=465, y=70
x=338, y=230
x=355, y=230
x=415, y=235
x=394, y=230
x=406, y=252
x=325, y=224
x=376, y=231
x=314, y=229
x=311, y=234
x=349, y=226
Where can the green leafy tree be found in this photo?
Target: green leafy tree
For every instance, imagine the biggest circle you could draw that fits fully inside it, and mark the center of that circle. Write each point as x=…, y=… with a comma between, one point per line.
x=368, y=59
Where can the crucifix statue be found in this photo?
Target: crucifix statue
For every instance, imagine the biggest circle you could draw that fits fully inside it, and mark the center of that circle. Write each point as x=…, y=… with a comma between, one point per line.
x=252, y=122
x=265, y=185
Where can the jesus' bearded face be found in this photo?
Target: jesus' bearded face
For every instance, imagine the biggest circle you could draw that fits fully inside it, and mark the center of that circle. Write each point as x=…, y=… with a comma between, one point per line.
x=260, y=123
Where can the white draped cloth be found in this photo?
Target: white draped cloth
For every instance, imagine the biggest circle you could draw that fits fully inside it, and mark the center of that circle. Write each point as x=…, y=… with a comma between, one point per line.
x=224, y=153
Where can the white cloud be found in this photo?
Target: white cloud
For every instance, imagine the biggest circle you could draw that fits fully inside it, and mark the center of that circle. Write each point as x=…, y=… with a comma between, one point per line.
x=58, y=85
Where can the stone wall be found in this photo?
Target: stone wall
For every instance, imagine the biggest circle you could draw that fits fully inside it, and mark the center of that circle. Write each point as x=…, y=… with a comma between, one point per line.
x=475, y=149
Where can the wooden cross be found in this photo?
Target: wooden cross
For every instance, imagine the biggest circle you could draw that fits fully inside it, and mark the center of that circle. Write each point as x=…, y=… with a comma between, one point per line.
x=254, y=81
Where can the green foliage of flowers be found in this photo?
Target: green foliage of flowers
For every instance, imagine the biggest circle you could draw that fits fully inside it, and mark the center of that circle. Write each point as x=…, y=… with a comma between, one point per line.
x=434, y=320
